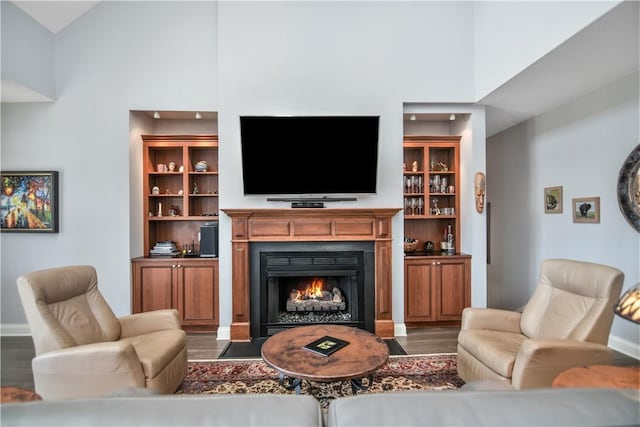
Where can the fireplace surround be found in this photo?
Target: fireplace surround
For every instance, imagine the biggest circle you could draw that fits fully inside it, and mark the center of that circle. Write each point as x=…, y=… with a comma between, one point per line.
x=250, y=226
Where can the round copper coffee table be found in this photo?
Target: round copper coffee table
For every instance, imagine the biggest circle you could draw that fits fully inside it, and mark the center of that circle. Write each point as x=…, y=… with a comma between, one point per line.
x=360, y=358
x=16, y=394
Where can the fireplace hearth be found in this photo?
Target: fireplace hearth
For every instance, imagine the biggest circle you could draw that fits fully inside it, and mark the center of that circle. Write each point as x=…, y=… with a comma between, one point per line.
x=295, y=284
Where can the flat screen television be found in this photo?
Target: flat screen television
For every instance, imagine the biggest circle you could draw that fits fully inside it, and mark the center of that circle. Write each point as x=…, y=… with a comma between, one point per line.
x=309, y=155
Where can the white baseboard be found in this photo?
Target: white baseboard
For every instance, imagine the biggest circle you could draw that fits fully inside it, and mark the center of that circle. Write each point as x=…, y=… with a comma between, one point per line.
x=624, y=347
x=14, y=330
x=224, y=333
x=399, y=330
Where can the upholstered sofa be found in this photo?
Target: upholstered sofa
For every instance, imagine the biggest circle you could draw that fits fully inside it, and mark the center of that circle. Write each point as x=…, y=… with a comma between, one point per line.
x=539, y=407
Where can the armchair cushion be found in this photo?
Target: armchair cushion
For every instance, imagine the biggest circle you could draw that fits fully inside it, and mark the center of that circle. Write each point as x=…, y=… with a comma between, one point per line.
x=147, y=322
x=495, y=348
x=156, y=349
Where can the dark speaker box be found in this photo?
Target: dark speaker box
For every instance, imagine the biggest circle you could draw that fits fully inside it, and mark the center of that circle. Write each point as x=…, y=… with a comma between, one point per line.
x=209, y=240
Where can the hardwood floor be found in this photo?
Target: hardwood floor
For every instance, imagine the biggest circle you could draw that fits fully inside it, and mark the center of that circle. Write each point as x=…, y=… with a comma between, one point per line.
x=17, y=352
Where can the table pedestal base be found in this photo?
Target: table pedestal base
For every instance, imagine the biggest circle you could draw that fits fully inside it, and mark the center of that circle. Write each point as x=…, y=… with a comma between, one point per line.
x=357, y=384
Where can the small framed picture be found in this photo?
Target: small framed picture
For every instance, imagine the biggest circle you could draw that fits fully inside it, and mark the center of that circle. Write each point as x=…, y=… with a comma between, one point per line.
x=553, y=200
x=29, y=202
x=586, y=209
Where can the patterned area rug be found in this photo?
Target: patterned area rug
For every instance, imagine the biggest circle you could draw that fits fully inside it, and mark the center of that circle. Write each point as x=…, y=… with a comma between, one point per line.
x=401, y=373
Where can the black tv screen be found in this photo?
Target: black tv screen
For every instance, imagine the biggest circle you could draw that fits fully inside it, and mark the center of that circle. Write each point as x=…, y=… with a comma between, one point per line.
x=314, y=155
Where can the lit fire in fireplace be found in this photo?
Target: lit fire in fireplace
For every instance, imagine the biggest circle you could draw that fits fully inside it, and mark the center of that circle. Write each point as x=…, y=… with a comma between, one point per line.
x=313, y=291
x=314, y=297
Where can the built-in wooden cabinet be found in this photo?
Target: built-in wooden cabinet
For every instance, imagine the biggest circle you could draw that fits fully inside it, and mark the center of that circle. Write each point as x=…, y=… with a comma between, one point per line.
x=431, y=189
x=437, y=288
x=189, y=285
x=177, y=202
x=437, y=281
x=180, y=195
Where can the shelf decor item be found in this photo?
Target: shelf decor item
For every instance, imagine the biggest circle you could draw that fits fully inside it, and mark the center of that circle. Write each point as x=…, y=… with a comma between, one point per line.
x=480, y=183
x=586, y=209
x=201, y=166
x=29, y=202
x=410, y=245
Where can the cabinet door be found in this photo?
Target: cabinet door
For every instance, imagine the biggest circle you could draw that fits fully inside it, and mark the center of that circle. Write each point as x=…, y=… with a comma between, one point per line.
x=451, y=294
x=418, y=292
x=153, y=286
x=198, y=293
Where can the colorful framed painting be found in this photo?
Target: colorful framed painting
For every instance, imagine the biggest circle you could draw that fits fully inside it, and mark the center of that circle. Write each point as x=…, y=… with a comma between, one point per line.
x=29, y=202
x=553, y=200
x=586, y=209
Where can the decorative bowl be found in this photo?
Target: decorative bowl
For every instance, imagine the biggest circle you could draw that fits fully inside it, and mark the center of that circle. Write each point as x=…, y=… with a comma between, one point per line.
x=201, y=166
x=410, y=245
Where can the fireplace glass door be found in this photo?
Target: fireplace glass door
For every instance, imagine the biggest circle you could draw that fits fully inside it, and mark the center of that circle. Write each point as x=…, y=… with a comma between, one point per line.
x=296, y=288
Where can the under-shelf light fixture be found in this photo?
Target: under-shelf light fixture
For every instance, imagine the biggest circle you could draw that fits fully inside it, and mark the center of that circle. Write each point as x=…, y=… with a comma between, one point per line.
x=156, y=115
x=452, y=116
x=198, y=115
x=412, y=117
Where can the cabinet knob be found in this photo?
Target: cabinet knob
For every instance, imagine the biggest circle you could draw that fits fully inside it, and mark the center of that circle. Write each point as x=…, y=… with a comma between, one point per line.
x=179, y=265
x=173, y=266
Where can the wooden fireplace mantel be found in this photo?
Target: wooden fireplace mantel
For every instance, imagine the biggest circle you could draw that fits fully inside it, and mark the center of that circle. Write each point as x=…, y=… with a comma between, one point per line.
x=317, y=225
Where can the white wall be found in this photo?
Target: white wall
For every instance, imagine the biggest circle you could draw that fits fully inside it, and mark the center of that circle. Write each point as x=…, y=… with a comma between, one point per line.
x=234, y=58
x=510, y=36
x=27, y=51
x=119, y=56
x=581, y=147
x=336, y=58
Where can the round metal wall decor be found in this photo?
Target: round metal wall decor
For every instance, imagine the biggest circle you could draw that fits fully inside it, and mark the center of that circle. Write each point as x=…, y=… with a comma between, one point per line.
x=629, y=189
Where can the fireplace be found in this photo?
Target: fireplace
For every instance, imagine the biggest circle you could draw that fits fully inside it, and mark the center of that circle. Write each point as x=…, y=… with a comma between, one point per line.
x=302, y=283
x=306, y=226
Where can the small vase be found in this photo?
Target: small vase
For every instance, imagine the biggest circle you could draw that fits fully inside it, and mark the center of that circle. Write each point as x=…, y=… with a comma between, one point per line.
x=201, y=166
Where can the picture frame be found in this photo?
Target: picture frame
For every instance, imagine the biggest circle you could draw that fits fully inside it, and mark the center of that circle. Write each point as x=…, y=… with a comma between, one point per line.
x=586, y=209
x=553, y=200
x=29, y=202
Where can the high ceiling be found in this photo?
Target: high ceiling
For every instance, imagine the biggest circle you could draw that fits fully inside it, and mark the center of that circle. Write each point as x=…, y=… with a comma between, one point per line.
x=603, y=52
x=55, y=15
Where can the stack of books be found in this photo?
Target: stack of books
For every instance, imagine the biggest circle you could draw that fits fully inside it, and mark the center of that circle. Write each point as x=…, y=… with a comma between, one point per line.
x=164, y=249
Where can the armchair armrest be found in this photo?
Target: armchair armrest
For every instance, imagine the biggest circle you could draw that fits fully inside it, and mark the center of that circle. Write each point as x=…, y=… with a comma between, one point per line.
x=491, y=318
x=147, y=322
x=87, y=370
x=540, y=360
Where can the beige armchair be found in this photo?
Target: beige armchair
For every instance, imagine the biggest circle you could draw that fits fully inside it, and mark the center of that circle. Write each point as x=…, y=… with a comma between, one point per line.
x=566, y=323
x=83, y=350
